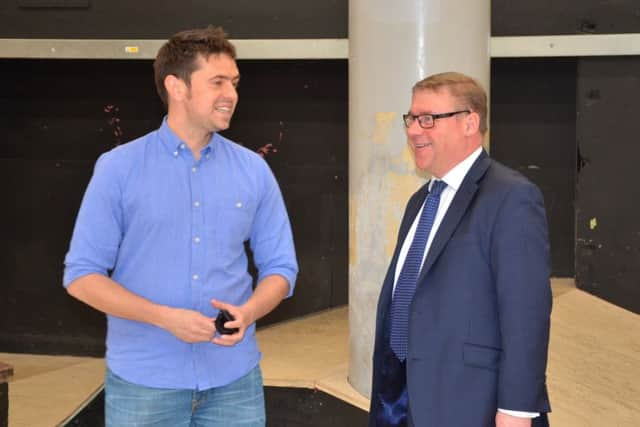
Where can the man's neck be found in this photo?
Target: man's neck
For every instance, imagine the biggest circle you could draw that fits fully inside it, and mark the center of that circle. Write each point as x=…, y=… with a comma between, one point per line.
x=195, y=138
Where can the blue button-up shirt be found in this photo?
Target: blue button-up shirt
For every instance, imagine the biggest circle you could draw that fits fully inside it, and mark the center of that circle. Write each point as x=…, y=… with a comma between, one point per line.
x=172, y=229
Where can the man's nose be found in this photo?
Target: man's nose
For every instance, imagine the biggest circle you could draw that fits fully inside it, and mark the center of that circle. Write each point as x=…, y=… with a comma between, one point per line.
x=231, y=91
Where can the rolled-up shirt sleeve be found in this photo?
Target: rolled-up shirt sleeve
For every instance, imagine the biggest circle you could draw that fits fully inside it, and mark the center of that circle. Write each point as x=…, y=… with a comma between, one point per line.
x=99, y=224
x=271, y=237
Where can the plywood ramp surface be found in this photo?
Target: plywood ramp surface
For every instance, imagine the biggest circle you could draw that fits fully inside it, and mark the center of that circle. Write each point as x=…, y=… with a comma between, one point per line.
x=593, y=371
x=594, y=363
x=311, y=352
x=47, y=390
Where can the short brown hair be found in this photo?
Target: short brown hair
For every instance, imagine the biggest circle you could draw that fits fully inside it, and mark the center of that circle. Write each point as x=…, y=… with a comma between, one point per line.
x=179, y=54
x=463, y=88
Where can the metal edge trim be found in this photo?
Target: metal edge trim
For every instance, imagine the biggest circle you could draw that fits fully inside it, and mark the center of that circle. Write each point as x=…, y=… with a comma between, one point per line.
x=147, y=49
x=566, y=45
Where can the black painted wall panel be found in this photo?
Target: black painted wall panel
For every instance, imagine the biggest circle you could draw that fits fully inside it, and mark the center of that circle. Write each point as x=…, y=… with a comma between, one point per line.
x=54, y=126
x=57, y=116
x=533, y=104
x=158, y=19
x=608, y=208
x=301, y=107
x=146, y=19
x=549, y=17
x=4, y=404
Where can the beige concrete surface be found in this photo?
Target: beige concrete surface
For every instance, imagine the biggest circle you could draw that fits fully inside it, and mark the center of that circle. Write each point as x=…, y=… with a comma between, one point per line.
x=311, y=352
x=593, y=371
x=594, y=363
x=47, y=390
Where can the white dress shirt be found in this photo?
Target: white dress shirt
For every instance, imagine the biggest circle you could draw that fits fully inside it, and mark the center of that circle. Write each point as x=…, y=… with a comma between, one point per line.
x=453, y=179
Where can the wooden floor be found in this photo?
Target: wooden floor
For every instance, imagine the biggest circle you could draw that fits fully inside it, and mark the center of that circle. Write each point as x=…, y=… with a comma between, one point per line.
x=593, y=374
x=47, y=390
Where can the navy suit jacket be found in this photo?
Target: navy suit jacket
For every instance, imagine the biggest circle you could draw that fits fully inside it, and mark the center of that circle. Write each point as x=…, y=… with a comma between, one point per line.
x=479, y=320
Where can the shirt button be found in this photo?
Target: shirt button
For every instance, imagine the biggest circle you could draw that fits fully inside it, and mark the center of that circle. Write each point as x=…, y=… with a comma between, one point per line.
x=182, y=146
x=175, y=154
x=194, y=169
x=196, y=239
x=195, y=277
x=196, y=204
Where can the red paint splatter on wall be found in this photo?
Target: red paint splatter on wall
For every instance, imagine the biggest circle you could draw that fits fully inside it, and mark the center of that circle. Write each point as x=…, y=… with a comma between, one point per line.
x=114, y=122
x=270, y=147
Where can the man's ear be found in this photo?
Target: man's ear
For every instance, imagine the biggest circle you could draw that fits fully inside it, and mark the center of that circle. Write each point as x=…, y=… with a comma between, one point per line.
x=472, y=123
x=175, y=87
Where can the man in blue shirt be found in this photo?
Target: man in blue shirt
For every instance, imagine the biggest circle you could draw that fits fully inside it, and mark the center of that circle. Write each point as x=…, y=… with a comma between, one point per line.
x=158, y=246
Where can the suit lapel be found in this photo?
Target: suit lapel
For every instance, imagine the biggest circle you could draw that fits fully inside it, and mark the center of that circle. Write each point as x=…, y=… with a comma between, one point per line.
x=456, y=211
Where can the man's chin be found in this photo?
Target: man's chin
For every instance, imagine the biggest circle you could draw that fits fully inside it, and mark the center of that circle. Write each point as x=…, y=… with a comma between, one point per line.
x=220, y=126
x=422, y=165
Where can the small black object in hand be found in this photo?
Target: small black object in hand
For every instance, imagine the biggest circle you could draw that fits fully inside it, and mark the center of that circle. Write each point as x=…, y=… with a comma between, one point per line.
x=225, y=316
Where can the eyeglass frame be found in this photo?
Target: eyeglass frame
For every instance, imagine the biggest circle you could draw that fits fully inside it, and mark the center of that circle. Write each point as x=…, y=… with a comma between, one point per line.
x=434, y=117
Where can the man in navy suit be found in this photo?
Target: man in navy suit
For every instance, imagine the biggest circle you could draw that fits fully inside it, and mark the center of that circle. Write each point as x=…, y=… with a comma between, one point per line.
x=463, y=341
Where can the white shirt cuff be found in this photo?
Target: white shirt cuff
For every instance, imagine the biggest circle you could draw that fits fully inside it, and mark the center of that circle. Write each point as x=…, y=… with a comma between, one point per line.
x=519, y=413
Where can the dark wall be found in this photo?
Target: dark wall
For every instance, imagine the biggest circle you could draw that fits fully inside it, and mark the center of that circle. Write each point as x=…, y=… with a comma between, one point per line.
x=285, y=18
x=532, y=101
x=533, y=130
x=301, y=107
x=551, y=17
x=608, y=208
x=4, y=404
x=57, y=116
x=158, y=19
x=54, y=126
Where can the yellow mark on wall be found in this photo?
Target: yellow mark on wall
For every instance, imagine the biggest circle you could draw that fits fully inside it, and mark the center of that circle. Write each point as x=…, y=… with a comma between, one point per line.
x=131, y=49
x=405, y=159
x=384, y=120
x=391, y=225
x=593, y=223
x=400, y=189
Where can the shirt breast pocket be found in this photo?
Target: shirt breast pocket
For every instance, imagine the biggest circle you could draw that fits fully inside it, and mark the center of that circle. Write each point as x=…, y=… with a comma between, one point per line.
x=234, y=221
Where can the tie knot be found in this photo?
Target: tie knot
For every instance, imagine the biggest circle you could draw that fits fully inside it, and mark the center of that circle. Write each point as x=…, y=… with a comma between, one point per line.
x=437, y=188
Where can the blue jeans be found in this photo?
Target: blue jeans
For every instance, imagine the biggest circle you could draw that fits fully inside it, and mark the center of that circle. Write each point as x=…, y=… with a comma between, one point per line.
x=240, y=403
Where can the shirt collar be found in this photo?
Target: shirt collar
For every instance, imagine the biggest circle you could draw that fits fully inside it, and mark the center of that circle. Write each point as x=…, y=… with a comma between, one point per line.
x=175, y=145
x=455, y=176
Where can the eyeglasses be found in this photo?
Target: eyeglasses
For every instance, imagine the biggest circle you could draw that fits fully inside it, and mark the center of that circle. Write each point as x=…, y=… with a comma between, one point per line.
x=427, y=121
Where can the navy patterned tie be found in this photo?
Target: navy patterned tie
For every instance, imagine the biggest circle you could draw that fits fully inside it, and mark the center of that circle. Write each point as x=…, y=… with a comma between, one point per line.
x=406, y=285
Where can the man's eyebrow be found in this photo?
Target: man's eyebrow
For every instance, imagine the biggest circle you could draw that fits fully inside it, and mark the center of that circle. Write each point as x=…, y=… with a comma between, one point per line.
x=225, y=77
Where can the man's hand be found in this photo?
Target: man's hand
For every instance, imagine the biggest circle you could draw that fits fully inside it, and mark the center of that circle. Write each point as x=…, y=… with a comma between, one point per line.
x=189, y=325
x=505, y=420
x=243, y=319
x=267, y=295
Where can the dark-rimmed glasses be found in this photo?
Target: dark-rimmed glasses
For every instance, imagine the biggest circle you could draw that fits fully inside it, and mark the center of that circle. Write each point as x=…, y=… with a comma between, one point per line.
x=427, y=121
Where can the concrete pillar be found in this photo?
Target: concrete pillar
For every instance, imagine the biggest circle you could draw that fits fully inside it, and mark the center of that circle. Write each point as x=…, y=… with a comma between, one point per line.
x=391, y=46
